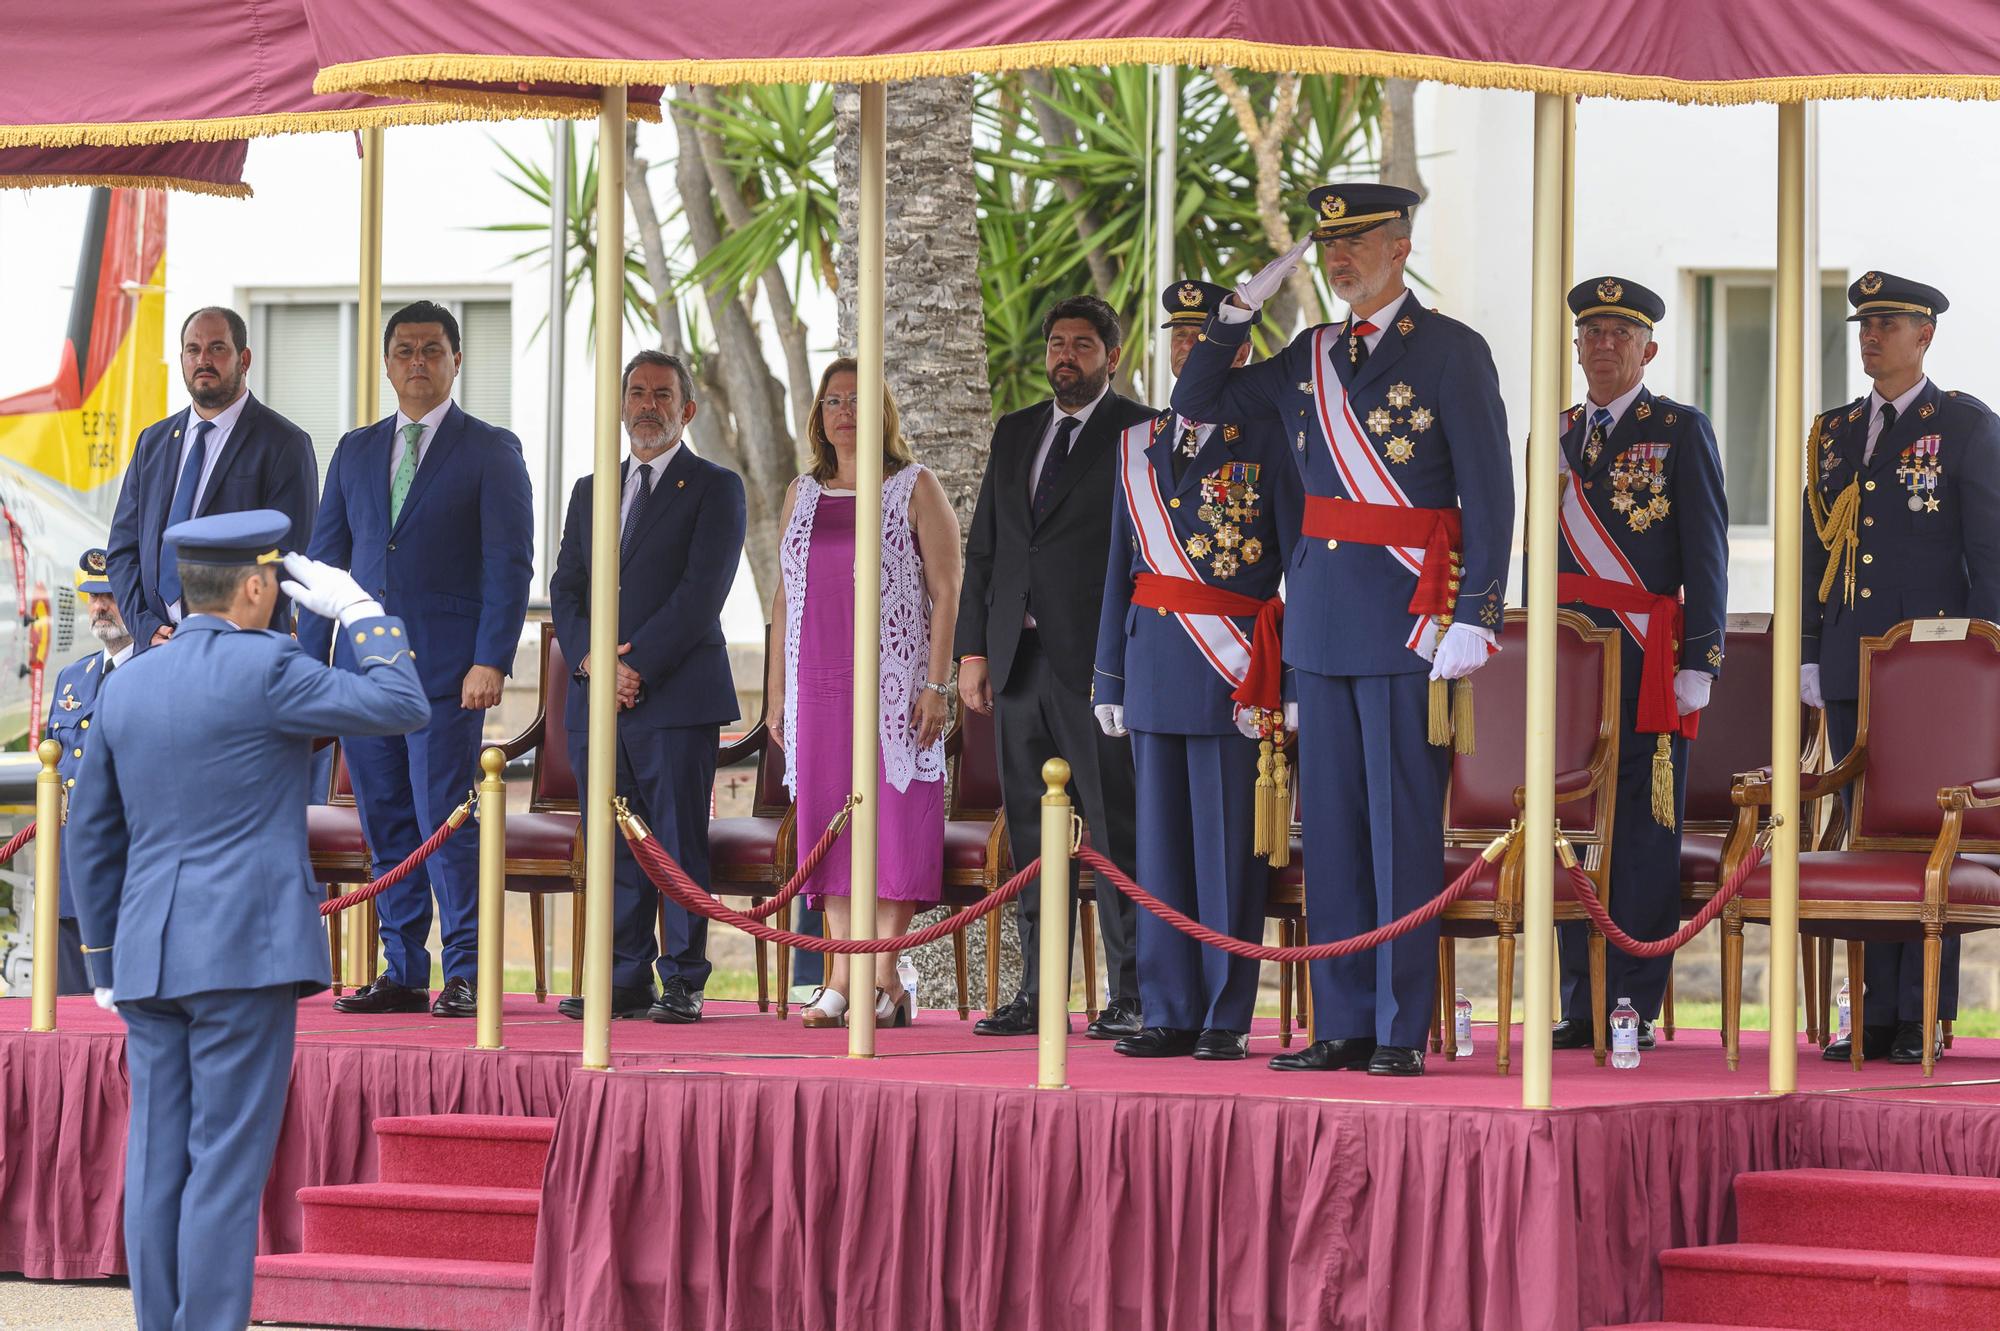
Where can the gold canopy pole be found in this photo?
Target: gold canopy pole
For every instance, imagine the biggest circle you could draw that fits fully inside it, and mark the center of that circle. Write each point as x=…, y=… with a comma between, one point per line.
x=601, y=773
x=359, y=951
x=1792, y=289
x=1552, y=148
x=867, y=567
x=48, y=887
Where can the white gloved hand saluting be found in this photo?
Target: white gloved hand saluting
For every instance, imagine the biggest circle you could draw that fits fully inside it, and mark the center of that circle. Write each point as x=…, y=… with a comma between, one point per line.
x=1691, y=690
x=329, y=592
x=1460, y=651
x=1110, y=719
x=1809, y=686
x=1252, y=292
x=103, y=997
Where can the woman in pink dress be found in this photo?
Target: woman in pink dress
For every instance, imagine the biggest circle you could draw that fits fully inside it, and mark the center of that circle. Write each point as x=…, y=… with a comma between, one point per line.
x=811, y=686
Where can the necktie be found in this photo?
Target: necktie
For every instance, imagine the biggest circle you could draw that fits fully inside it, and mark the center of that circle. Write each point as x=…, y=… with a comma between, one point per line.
x=1357, y=349
x=406, y=470
x=1052, y=466
x=637, y=511
x=181, y=508
x=1600, y=426
x=1888, y=424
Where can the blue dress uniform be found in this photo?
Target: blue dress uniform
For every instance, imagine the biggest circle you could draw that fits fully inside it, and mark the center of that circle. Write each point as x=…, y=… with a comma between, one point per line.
x=191, y=845
x=72, y=704
x=1921, y=540
x=1427, y=417
x=1643, y=505
x=1230, y=510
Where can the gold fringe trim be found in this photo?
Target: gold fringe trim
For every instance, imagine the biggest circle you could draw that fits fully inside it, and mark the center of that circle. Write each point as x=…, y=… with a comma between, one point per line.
x=1835, y=527
x=1461, y=716
x=1260, y=824
x=383, y=73
x=1281, y=808
x=220, y=189
x=1663, y=781
x=1438, y=720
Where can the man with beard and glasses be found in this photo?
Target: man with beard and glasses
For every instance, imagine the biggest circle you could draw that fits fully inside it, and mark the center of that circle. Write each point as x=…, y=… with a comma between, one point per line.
x=1395, y=419
x=225, y=453
x=72, y=703
x=680, y=523
x=1027, y=632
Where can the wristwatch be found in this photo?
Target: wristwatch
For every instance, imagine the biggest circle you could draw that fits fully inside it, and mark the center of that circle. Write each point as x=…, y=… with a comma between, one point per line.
x=941, y=690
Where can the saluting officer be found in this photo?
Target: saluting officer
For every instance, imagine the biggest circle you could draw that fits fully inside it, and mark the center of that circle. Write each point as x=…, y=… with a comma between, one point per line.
x=1644, y=524
x=193, y=843
x=1902, y=522
x=1396, y=420
x=1204, y=517
x=72, y=704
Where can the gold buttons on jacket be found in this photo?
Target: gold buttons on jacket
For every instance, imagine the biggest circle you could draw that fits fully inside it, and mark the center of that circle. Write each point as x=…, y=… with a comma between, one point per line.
x=1333, y=545
x=1865, y=593
x=1173, y=503
x=1868, y=559
x=1870, y=485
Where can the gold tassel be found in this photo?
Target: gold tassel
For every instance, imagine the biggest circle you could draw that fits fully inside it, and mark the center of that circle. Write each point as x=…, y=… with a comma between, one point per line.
x=1281, y=811
x=1461, y=715
x=1663, y=781
x=1440, y=712
x=1260, y=838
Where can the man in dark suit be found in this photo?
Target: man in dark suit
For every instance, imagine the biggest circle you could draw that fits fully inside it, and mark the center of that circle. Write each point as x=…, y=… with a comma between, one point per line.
x=681, y=522
x=1027, y=631
x=226, y=452
x=431, y=509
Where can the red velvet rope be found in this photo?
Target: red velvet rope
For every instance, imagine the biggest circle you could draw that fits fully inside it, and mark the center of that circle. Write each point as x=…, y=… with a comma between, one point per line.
x=400, y=872
x=14, y=843
x=797, y=882
x=1341, y=947
x=671, y=879
x=1586, y=892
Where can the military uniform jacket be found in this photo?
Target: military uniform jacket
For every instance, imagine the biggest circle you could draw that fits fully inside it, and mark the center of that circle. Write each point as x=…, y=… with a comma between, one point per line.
x=194, y=876
x=1928, y=526
x=1427, y=400
x=1656, y=491
x=71, y=707
x=1234, y=515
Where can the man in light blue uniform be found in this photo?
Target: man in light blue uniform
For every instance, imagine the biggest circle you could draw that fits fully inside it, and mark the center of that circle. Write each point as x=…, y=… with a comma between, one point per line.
x=72, y=704
x=194, y=843
x=1395, y=419
x=1203, y=518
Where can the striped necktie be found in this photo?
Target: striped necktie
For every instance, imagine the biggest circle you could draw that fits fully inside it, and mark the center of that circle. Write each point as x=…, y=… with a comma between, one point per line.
x=1600, y=430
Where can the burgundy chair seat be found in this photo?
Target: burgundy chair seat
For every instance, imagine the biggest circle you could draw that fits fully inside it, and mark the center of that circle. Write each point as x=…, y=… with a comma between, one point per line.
x=1487, y=886
x=743, y=842
x=965, y=844
x=1701, y=860
x=1887, y=876
x=541, y=836
x=334, y=829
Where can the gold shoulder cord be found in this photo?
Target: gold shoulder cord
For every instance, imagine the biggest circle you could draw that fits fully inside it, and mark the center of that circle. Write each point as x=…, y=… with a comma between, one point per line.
x=1835, y=527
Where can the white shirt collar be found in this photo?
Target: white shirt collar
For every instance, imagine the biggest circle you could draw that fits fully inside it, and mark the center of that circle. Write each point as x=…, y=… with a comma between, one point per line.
x=1082, y=414
x=431, y=420
x=1618, y=406
x=1382, y=318
x=112, y=660
x=225, y=420
x=1902, y=404
x=658, y=464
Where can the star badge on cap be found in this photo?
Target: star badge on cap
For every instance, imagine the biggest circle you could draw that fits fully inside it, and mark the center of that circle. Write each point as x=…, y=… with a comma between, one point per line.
x=1870, y=283
x=1190, y=295
x=1333, y=207
x=1609, y=290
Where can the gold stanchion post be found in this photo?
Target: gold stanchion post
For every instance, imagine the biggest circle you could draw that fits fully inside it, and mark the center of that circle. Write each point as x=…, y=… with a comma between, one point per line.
x=48, y=886
x=358, y=948
x=1054, y=926
x=492, y=895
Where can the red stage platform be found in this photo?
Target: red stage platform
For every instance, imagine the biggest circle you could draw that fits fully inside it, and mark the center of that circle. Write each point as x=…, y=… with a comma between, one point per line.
x=744, y=1173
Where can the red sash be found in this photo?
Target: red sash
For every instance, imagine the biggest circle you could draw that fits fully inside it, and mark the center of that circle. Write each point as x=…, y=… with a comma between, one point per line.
x=1659, y=713
x=1263, y=682
x=1433, y=530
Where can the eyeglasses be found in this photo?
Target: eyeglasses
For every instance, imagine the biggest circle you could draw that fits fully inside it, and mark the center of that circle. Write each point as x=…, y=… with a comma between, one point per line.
x=1622, y=334
x=832, y=403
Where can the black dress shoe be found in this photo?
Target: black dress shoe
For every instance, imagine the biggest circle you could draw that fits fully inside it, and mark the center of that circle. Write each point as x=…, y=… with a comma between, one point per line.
x=1327, y=1056
x=1570, y=1035
x=678, y=1004
x=1222, y=1045
x=1014, y=1017
x=383, y=996
x=1389, y=1061
x=456, y=999
x=1118, y=1020
x=1908, y=1044
x=626, y=1003
x=1158, y=1042
x=1876, y=1042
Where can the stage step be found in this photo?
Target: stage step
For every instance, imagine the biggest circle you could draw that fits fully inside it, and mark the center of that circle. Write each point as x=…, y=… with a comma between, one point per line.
x=490, y=1149
x=1828, y=1289
x=446, y=1240
x=351, y=1289
x=1838, y=1208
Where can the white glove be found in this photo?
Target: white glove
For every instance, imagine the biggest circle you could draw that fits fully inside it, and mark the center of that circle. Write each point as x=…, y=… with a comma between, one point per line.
x=1691, y=690
x=1809, y=686
x=103, y=997
x=1460, y=651
x=331, y=593
x=1254, y=291
x=1291, y=716
x=1110, y=719
x=1246, y=722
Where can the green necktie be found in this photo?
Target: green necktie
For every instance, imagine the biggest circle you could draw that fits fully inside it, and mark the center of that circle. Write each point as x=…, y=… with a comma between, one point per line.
x=406, y=470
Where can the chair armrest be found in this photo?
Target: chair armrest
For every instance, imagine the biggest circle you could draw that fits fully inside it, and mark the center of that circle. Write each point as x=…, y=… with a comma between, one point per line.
x=748, y=746
x=1975, y=795
x=1754, y=788
x=954, y=737
x=529, y=738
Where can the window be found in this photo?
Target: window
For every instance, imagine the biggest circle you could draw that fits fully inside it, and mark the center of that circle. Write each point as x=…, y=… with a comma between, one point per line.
x=302, y=362
x=1735, y=352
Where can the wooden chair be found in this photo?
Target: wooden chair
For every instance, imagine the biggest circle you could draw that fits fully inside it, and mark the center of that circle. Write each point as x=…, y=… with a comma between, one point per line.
x=339, y=855
x=753, y=856
x=1487, y=796
x=977, y=858
x=1285, y=902
x=545, y=843
x=1923, y=851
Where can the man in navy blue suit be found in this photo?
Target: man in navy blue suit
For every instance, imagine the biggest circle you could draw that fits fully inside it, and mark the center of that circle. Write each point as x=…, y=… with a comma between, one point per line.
x=680, y=540
x=1394, y=417
x=225, y=453
x=431, y=510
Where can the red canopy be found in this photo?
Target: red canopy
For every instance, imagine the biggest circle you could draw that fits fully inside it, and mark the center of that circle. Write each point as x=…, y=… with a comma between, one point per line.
x=158, y=71
x=1676, y=50
x=197, y=168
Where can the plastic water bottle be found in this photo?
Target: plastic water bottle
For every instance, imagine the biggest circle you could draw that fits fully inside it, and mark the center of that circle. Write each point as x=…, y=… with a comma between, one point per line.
x=906, y=975
x=1846, y=1014
x=1461, y=1012
x=1624, y=1035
